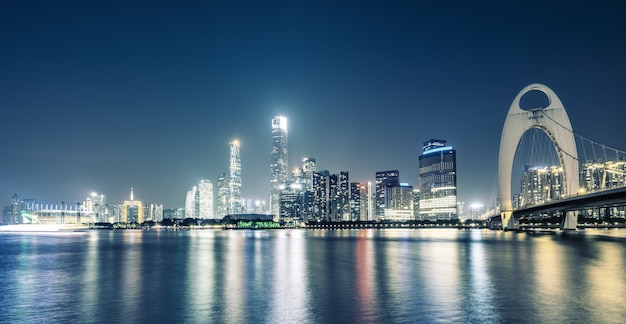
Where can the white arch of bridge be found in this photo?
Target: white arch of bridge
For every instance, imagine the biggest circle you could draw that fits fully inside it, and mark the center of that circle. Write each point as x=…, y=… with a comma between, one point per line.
x=558, y=129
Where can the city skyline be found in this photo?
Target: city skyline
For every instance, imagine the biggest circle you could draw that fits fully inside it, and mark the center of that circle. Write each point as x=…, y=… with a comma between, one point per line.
x=99, y=97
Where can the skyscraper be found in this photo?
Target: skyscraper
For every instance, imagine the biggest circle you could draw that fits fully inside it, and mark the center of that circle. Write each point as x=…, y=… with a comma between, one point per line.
x=234, y=180
x=339, y=187
x=297, y=176
x=437, y=181
x=358, y=201
x=13, y=217
x=97, y=205
x=308, y=167
x=191, y=203
x=320, y=193
x=291, y=203
x=384, y=179
x=333, y=197
x=278, y=163
x=153, y=212
x=205, y=200
x=222, y=195
x=132, y=210
x=344, y=196
x=399, y=203
x=540, y=184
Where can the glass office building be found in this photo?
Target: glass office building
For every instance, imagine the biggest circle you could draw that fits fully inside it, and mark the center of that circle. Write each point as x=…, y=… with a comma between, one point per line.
x=437, y=181
x=279, y=163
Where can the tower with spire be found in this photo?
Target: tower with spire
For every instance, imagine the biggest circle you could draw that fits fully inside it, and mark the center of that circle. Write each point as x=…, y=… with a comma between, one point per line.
x=132, y=210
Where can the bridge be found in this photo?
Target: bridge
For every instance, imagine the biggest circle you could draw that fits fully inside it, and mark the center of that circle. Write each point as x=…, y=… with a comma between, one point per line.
x=562, y=193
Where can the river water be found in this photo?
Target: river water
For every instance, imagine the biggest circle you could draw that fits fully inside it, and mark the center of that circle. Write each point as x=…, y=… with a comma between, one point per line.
x=313, y=276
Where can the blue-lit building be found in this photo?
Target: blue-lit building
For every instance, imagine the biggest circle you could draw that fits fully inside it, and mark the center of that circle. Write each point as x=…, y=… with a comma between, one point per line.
x=437, y=181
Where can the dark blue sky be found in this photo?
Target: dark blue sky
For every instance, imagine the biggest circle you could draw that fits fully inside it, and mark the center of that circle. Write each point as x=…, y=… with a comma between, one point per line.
x=102, y=96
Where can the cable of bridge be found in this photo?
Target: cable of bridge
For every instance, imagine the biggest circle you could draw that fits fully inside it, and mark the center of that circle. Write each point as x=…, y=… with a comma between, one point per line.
x=604, y=147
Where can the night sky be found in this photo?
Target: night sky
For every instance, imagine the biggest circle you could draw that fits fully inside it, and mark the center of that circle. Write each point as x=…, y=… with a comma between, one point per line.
x=104, y=96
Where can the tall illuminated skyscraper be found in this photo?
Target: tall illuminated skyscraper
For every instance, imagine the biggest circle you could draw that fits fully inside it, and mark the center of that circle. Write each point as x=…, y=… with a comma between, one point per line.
x=344, y=196
x=222, y=195
x=132, y=210
x=332, y=198
x=308, y=167
x=97, y=204
x=279, y=163
x=13, y=217
x=437, y=181
x=399, y=203
x=205, y=200
x=191, y=203
x=358, y=201
x=153, y=212
x=384, y=179
x=234, y=180
x=339, y=186
x=321, y=188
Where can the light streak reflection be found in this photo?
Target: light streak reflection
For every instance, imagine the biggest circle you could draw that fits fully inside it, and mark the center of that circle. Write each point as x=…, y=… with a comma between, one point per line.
x=289, y=270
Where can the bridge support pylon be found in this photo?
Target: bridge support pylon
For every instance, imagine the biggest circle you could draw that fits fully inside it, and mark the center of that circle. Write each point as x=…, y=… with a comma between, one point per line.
x=569, y=220
x=508, y=221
